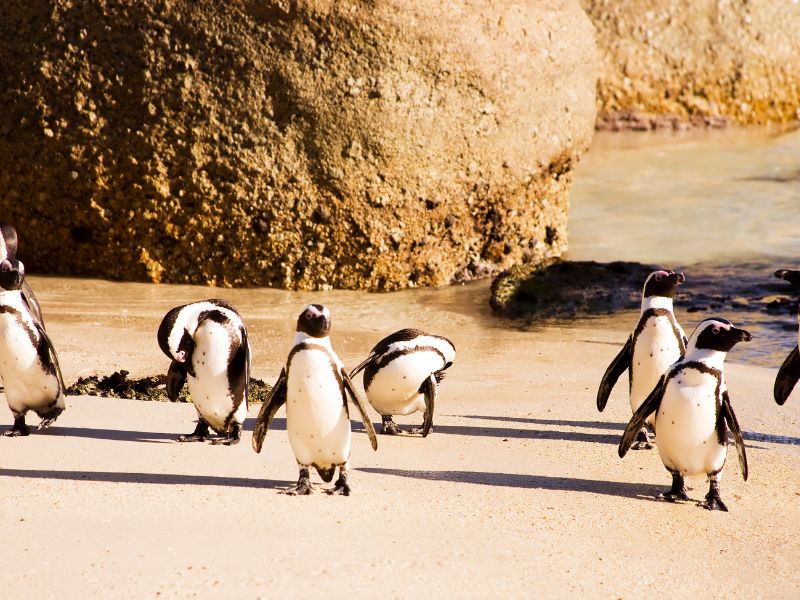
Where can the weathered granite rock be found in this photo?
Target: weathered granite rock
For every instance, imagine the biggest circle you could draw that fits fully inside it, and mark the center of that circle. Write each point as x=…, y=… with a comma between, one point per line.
x=302, y=144
x=700, y=62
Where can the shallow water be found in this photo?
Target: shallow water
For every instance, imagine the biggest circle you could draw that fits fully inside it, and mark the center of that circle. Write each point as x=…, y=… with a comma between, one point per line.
x=721, y=205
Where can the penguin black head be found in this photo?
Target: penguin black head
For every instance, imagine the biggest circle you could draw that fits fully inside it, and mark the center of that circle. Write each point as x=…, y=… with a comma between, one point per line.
x=8, y=241
x=662, y=283
x=792, y=277
x=719, y=334
x=12, y=274
x=315, y=321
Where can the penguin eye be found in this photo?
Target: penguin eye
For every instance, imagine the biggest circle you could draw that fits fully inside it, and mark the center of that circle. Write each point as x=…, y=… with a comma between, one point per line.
x=308, y=316
x=715, y=330
x=659, y=277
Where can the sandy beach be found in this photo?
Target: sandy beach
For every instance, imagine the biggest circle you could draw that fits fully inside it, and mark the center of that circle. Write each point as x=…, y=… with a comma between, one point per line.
x=519, y=491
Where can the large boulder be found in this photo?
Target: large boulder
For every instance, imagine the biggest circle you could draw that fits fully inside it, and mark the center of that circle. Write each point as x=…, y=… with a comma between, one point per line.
x=701, y=61
x=360, y=144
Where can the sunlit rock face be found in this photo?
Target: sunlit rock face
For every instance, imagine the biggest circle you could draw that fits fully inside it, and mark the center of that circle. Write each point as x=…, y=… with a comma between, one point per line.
x=311, y=144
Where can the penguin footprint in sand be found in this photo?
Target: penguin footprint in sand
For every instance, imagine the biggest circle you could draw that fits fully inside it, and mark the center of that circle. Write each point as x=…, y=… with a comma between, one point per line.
x=28, y=363
x=657, y=341
x=693, y=413
x=207, y=342
x=314, y=386
x=402, y=373
x=789, y=372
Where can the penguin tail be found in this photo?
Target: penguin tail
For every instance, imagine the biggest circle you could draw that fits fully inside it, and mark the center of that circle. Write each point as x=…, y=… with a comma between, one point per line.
x=326, y=474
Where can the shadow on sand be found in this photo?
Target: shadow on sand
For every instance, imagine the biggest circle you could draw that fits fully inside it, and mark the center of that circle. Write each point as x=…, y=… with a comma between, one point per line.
x=148, y=478
x=642, y=491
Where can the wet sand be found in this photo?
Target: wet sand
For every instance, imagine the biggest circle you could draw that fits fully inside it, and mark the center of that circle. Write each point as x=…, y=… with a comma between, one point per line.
x=518, y=492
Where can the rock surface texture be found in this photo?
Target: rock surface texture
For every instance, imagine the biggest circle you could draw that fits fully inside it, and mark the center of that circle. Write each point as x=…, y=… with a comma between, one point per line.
x=670, y=63
x=306, y=144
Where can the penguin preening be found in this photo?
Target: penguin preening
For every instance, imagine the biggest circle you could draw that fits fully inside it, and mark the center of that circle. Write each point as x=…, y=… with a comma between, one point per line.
x=8, y=251
x=789, y=372
x=693, y=412
x=657, y=341
x=315, y=387
x=402, y=373
x=207, y=342
x=28, y=362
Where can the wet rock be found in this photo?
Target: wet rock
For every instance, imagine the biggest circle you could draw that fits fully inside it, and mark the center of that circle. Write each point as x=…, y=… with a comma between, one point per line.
x=568, y=288
x=227, y=127
x=696, y=63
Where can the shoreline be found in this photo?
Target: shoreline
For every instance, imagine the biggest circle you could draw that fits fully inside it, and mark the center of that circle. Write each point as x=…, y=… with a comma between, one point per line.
x=518, y=490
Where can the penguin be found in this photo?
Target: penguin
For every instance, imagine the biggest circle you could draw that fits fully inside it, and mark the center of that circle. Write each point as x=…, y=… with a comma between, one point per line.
x=28, y=362
x=789, y=372
x=657, y=341
x=8, y=250
x=314, y=386
x=207, y=342
x=693, y=412
x=402, y=373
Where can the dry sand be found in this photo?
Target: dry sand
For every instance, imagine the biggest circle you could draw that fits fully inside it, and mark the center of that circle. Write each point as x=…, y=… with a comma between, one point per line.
x=518, y=492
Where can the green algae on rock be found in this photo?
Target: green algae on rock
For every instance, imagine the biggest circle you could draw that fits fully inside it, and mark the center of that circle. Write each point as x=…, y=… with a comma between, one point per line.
x=305, y=145
x=118, y=385
x=562, y=289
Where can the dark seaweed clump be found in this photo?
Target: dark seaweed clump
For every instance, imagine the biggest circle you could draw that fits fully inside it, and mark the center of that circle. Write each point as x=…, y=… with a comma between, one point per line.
x=154, y=388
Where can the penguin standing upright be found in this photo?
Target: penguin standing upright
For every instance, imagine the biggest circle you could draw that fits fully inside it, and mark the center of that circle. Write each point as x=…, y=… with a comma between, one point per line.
x=314, y=386
x=28, y=363
x=789, y=372
x=207, y=342
x=657, y=341
x=402, y=373
x=8, y=250
x=693, y=412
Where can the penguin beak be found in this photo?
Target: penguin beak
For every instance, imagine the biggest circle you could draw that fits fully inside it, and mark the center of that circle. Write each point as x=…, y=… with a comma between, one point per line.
x=739, y=335
x=679, y=278
x=792, y=277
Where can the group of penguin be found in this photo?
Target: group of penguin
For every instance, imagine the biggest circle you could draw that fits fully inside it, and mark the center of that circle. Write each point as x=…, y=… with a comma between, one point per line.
x=677, y=388
x=677, y=385
x=209, y=349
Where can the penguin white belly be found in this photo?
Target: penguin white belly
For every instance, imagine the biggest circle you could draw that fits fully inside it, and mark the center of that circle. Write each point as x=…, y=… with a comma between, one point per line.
x=656, y=349
x=316, y=419
x=394, y=390
x=210, y=388
x=686, y=425
x=27, y=385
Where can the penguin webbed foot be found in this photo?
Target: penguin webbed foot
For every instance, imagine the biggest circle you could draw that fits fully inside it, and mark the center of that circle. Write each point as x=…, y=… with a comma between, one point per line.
x=229, y=440
x=303, y=487
x=713, y=500
x=18, y=429
x=199, y=434
x=389, y=427
x=676, y=492
x=643, y=440
x=420, y=430
x=340, y=488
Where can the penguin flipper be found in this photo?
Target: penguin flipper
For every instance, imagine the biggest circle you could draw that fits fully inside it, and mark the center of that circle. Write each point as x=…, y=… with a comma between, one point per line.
x=648, y=407
x=621, y=362
x=48, y=353
x=363, y=364
x=733, y=424
x=787, y=377
x=430, y=401
x=239, y=371
x=350, y=389
x=176, y=377
x=275, y=399
x=32, y=303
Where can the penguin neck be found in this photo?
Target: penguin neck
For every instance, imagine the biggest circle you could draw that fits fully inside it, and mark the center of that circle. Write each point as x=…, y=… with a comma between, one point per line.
x=301, y=337
x=653, y=302
x=712, y=358
x=11, y=297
